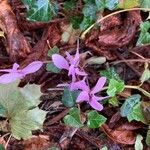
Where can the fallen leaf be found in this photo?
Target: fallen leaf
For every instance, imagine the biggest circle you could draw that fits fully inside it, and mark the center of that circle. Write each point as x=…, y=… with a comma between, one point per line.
x=40, y=142
x=121, y=136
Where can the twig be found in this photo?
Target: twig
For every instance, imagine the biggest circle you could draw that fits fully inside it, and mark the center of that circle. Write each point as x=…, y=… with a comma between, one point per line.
x=102, y=19
x=8, y=141
x=131, y=60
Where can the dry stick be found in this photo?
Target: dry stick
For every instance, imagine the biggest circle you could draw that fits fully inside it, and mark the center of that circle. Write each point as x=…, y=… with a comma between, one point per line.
x=8, y=141
x=131, y=60
x=132, y=87
x=117, y=12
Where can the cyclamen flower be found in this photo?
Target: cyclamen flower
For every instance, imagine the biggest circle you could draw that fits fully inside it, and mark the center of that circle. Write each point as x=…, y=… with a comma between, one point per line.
x=15, y=73
x=70, y=63
x=88, y=94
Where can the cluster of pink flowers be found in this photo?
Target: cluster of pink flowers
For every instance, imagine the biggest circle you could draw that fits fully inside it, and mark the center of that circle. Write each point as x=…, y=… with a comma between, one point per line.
x=72, y=65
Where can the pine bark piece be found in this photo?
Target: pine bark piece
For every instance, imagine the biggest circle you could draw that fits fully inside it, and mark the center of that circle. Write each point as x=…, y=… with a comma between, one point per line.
x=18, y=46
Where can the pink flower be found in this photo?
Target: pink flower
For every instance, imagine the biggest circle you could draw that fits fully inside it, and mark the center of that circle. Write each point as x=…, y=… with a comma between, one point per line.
x=15, y=73
x=88, y=94
x=70, y=63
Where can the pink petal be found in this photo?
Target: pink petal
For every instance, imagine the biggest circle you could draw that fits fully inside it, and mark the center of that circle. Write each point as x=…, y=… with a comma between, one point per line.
x=15, y=67
x=60, y=62
x=83, y=96
x=32, y=67
x=81, y=73
x=81, y=85
x=10, y=77
x=13, y=70
x=69, y=57
x=96, y=105
x=99, y=85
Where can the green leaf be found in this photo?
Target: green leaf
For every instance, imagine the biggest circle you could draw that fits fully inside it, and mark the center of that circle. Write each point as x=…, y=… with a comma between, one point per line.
x=129, y=103
x=86, y=23
x=20, y=108
x=109, y=4
x=144, y=3
x=144, y=37
x=40, y=10
x=76, y=21
x=69, y=97
x=114, y=101
x=73, y=119
x=95, y=120
x=69, y=5
x=138, y=142
x=54, y=50
x=32, y=94
x=126, y=4
x=24, y=122
x=115, y=87
x=104, y=148
x=148, y=138
x=146, y=74
x=136, y=114
x=52, y=68
x=2, y=147
x=90, y=10
x=110, y=74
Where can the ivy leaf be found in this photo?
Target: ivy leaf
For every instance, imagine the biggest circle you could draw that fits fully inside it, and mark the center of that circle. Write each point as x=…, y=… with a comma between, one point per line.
x=148, y=138
x=129, y=103
x=114, y=101
x=31, y=93
x=90, y=10
x=23, y=114
x=52, y=68
x=126, y=4
x=69, y=97
x=69, y=5
x=144, y=3
x=115, y=87
x=109, y=4
x=138, y=142
x=76, y=21
x=54, y=50
x=136, y=114
x=144, y=37
x=40, y=10
x=95, y=120
x=132, y=109
x=24, y=122
x=86, y=23
x=110, y=74
x=2, y=147
x=146, y=74
x=73, y=119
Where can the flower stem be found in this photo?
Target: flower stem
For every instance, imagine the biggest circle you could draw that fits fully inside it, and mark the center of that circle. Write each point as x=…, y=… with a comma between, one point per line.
x=107, y=16
x=133, y=87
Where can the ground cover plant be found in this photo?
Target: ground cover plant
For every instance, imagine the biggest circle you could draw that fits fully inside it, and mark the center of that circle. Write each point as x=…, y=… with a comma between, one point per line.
x=74, y=74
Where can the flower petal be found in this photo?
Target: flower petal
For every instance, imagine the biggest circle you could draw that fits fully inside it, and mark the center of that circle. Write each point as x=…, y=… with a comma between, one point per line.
x=13, y=70
x=83, y=96
x=32, y=67
x=95, y=104
x=15, y=67
x=99, y=85
x=69, y=57
x=81, y=73
x=81, y=85
x=60, y=62
x=10, y=77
